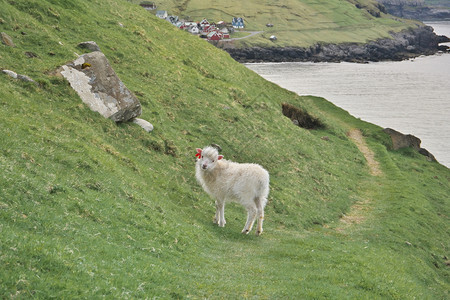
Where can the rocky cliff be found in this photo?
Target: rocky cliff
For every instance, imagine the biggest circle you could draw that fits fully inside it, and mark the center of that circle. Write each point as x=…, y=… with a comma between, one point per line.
x=423, y=13
x=402, y=45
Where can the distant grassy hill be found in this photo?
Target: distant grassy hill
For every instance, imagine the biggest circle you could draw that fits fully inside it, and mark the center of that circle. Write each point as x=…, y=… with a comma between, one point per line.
x=443, y=3
x=93, y=209
x=420, y=10
x=300, y=23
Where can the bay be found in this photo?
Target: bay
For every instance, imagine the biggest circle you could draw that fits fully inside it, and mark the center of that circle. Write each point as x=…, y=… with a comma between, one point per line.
x=411, y=96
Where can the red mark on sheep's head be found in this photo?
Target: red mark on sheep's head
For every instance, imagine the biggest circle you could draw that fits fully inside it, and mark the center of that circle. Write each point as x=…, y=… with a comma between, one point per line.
x=199, y=153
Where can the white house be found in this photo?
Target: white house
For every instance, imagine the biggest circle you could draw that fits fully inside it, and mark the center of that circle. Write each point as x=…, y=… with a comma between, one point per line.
x=162, y=14
x=194, y=29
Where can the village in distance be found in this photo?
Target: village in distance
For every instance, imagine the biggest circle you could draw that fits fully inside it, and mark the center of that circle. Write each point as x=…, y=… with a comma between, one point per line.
x=210, y=31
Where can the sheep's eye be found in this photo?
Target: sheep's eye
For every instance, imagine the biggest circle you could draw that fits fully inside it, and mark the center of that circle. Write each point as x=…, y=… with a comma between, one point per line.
x=213, y=160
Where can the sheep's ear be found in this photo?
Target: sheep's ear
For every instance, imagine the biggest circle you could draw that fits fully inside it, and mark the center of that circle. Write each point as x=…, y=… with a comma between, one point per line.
x=219, y=157
x=199, y=150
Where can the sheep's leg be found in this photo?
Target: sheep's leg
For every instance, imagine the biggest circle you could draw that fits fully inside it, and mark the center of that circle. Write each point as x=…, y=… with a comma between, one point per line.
x=260, y=209
x=220, y=213
x=251, y=216
x=217, y=216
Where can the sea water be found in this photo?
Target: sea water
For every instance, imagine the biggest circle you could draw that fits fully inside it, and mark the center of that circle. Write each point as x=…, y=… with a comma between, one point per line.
x=411, y=96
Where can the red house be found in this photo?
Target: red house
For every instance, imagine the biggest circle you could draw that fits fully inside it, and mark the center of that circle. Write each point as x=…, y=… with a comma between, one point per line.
x=215, y=36
x=204, y=23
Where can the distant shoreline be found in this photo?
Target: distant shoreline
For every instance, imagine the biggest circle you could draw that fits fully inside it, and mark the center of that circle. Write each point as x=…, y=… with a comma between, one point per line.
x=403, y=45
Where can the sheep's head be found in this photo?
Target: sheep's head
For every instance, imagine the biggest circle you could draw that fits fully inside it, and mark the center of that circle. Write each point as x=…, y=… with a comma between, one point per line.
x=208, y=157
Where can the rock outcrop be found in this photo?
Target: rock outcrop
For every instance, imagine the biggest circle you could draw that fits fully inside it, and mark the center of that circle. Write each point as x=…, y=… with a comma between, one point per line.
x=402, y=45
x=419, y=12
x=93, y=78
x=400, y=140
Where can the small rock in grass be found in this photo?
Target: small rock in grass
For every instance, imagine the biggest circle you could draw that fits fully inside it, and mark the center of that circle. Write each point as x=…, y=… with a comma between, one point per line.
x=10, y=73
x=147, y=126
x=25, y=78
x=18, y=76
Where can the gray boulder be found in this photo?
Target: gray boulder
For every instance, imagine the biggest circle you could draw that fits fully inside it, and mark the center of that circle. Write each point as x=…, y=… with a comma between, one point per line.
x=93, y=78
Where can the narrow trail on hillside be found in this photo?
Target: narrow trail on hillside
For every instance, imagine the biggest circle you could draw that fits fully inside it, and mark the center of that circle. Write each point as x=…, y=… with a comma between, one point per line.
x=252, y=33
x=356, y=136
x=358, y=211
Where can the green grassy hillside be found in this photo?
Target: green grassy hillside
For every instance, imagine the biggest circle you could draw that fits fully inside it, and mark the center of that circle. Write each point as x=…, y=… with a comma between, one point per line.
x=92, y=209
x=299, y=23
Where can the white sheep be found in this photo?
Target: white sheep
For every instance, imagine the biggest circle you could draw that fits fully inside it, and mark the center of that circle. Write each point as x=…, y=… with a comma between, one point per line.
x=227, y=181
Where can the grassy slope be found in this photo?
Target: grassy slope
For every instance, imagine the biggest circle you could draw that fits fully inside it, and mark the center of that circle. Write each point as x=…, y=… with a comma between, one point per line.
x=91, y=208
x=296, y=22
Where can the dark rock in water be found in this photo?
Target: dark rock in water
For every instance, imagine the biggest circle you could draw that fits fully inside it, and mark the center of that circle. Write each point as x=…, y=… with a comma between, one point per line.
x=402, y=45
x=400, y=140
x=93, y=78
x=443, y=39
x=7, y=40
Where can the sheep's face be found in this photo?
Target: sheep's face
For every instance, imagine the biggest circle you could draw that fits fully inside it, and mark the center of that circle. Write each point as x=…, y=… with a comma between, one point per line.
x=208, y=158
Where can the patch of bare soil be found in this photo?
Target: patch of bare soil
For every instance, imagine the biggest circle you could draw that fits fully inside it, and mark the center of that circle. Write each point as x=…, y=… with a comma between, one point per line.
x=356, y=136
x=357, y=215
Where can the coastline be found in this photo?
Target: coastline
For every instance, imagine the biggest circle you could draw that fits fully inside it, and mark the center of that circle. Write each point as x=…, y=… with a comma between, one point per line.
x=403, y=45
